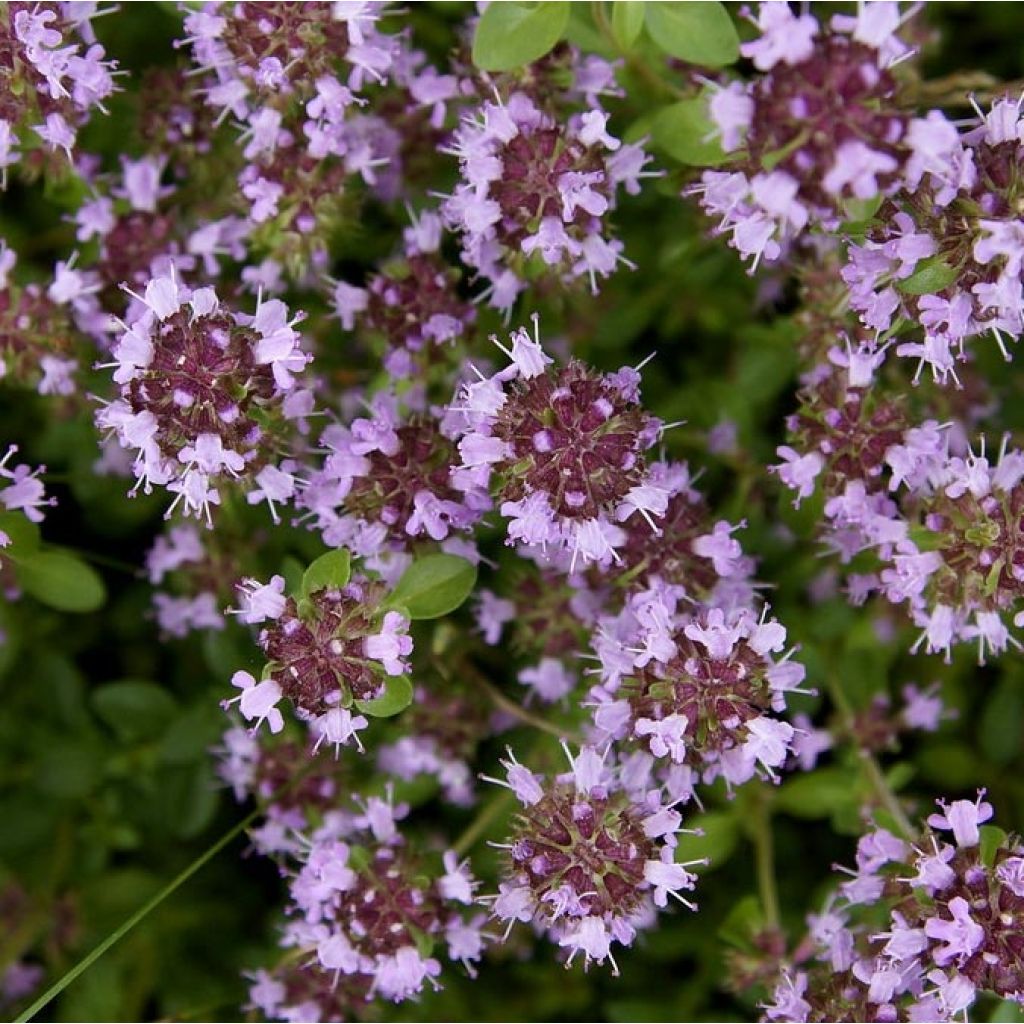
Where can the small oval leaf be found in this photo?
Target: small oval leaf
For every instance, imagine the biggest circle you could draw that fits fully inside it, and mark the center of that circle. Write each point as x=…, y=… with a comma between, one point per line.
x=330, y=570
x=513, y=33
x=62, y=581
x=684, y=130
x=397, y=697
x=699, y=33
x=434, y=586
x=627, y=22
x=931, y=276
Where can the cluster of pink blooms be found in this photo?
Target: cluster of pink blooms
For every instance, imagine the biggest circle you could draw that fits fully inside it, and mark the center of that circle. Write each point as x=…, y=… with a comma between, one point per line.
x=51, y=48
x=368, y=915
x=388, y=480
x=328, y=653
x=204, y=391
x=699, y=688
x=955, y=906
x=816, y=129
x=942, y=518
x=562, y=450
x=945, y=253
x=613, y=555
x=593, y=854
x=536, y=187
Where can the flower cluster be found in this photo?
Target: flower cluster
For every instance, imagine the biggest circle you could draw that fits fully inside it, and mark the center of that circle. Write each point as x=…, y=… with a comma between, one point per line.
x=818, y=128
x=206, y=395
x=954, y=928
x=945, y=252
x=37, y=326
x=196, y=571
x=591, y=857
x=941, y=519
x=388, y=480
x=414, y=307
x=365, y=920
x=55, y=74
x=536, y=188
x=695, y=686
x=333, y=648
x=562, y=450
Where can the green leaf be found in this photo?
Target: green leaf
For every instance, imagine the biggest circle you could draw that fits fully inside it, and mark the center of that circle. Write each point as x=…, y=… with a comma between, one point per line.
x=991, y=839
x=816, y=794
x=434, y=586
x=22, y=533
x=719, y=839
x=1007, y=1012
x=627, y=22
x=699, y=33
x=742, y=923
x=61, y=580
x=397, y=697
x=683, y=131
x=68, y=770
x=292, y=570
x=330, y=570
x=513, y=33
x=931, y=276
x=134, y=710
x=186, y=799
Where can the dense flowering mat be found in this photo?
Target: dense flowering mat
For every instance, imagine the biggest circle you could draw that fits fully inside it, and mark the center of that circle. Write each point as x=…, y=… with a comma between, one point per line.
x=511, y=511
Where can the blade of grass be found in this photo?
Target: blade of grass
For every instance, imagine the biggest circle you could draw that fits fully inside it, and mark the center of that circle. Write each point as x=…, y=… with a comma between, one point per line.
x=115, y=937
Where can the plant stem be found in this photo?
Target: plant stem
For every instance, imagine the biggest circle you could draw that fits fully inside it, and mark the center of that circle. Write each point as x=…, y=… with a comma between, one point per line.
x=526, y=717
x=508, y=705
x=872, y=770
x=635, y=64
x=489, y=813
x=764, y=856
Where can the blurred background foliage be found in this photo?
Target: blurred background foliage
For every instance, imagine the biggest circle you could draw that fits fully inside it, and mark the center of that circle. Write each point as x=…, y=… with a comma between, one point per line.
x=106, y=783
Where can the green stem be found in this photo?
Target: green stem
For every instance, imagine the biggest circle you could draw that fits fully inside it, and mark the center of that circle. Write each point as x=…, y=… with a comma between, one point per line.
x=764, y=856
x=635, y=63
x=872, y=770
x=526, y=717
x=508, y=705
x=482, y=822
x=886, y=796
x=115, y=937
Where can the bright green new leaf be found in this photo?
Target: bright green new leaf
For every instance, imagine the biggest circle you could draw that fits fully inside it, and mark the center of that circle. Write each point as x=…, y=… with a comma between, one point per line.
x=931, y=276
x=397, y=697
x=512, y=33
x=697, y=32
x=434, y=586
x=627, y=22
x=61, y=580
x=992, y=837
x=330, y=570
x=683, y=131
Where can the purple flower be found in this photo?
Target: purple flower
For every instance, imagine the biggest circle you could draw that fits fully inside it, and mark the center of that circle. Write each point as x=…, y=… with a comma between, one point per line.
x=258, y=700
x=391, y=644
